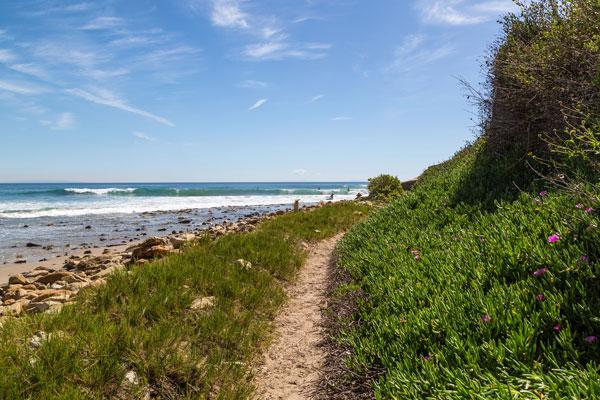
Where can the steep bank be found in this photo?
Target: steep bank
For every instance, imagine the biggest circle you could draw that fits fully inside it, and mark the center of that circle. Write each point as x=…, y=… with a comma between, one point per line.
x=466, y=300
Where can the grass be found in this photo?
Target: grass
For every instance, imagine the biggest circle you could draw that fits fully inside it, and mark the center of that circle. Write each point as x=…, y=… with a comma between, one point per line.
x=141, y=321
x=451, y=307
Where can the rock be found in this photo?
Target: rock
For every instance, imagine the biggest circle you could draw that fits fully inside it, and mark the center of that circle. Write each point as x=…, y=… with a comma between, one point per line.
x=54, y=277
x=203, y=303
x=88, y=227
x=178, y=241
x=107, y=271
x=38, y=339
x=21, y=262
x=131, y=378
x=36, y=308
x=13, y=309
x=18, y=280
x=243, y=264
x=185, y=221
x=59, y=295
x=151, y=248
x=33, y=245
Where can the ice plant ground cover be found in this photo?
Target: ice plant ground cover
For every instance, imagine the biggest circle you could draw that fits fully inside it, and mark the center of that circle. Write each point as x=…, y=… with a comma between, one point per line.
x=491, y=308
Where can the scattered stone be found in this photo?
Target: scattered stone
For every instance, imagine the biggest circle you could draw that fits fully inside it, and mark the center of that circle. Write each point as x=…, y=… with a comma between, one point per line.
x=18, y=279
x=54, y=277
x=38, y=338
x=203, y=303
x=30, y=244
x=243, y=264
x=88, y=227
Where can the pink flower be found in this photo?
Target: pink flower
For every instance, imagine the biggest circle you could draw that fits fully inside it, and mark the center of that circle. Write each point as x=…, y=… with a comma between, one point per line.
x=553, y=238
x=540, y=272
x=579, y=206
x=486, y=318
x=543, y=193
x=557, y=328
x=591, y=339
x=585, y=259
x=540, y=297
x=589, y=210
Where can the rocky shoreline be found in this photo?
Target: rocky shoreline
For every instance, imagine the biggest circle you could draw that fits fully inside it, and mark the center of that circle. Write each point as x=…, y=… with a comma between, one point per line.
x=47, y=289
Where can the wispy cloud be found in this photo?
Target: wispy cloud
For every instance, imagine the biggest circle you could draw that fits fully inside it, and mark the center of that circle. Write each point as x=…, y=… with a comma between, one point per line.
x=414, y=53
x=143, y=136
x=102, y=23
x=316, y=98
x=29, y=69
x=6, y=56
x=463, y=12
x=109, y=99
x=253, y=84
x=228, y=14
x=279, y=50
x=341, y=118
x=19, y=88
x=258, y=104
x=300, y=172
x=271, y=41
x=64, y=121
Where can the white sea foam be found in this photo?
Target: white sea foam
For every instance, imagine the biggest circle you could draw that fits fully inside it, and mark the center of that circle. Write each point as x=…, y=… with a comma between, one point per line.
x=104, y=191
x=128, y=205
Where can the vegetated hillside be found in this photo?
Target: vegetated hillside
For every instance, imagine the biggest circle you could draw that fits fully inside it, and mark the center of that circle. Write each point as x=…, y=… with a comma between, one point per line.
x=462, y=302
x=484, y=281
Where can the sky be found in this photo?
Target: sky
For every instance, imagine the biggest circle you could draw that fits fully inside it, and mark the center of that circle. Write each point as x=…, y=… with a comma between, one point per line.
x=237, y=90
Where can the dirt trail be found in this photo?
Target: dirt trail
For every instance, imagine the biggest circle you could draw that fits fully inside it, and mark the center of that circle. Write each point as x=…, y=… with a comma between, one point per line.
x=293, y=362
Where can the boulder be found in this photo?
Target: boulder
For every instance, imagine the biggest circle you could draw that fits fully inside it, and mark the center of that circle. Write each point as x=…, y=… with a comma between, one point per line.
x=14, y=309
x=153, y=247
x=107, y=271
x=18, y=280
x=179, y=240
x=54, y=277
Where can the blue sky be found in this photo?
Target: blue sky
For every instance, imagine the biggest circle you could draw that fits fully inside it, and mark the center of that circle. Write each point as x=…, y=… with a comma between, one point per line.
x=236, y=90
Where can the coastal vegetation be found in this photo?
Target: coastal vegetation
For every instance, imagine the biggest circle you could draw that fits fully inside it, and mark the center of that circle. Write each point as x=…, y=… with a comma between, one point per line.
x=484, y=280
x=384, y=187
x=187, y=326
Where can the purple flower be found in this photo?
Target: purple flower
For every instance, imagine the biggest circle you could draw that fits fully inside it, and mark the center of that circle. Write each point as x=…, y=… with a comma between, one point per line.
x=540, y=272
x=543, y=193
x=591, y=339
x=540, y=297
x=557, y=328
x=486, y=318
x=553, y=238
x=426, y=357
x=579, y=206
x=589, y=210
x=585, y=259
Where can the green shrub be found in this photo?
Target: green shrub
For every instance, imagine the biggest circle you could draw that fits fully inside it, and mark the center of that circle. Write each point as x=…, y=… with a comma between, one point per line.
x=384, y=187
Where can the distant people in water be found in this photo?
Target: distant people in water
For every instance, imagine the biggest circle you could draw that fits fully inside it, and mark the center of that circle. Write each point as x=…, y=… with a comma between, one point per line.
x=331, y=196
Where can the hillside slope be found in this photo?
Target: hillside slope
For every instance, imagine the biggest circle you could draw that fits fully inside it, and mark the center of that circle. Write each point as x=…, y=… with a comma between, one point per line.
x=476, y=301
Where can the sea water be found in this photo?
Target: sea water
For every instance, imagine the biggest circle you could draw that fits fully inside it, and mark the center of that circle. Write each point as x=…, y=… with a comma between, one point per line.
x=75, y=214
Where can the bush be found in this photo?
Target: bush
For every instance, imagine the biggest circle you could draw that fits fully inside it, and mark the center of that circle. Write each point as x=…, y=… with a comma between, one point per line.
x=384, y=187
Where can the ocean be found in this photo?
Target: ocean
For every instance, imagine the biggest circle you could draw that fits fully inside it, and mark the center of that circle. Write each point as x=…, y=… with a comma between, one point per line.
x=63, y=216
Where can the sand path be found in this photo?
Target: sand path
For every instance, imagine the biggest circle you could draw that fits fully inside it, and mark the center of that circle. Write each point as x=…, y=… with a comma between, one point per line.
x=293, y=362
